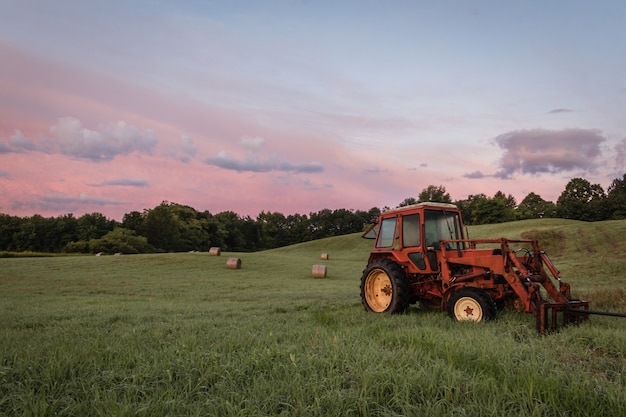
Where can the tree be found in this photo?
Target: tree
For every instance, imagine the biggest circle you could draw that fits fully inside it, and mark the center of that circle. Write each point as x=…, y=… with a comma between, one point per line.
x=93, y=226
x=498, y=209
x=36, y=234
x=434, y=193
x=120, y=240
x=298, y=226
x=134, y=221
x=272, y=229
x=9, y=226
x=162, y=228
x=190, y=228
x=507, y=200
x=468, y=206
x=407, y=202
x=582, y=201
x=66, y=230
x=616, y=199
x=534, y=207
x=232, y=228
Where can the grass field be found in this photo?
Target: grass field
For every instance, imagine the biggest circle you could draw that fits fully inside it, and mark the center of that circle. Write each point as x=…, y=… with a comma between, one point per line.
x=182, y=335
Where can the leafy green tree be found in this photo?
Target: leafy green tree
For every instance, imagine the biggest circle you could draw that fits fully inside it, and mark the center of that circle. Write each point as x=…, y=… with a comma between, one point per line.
x=36, y=234
x=190, y=225
x=498, y=209
x=76, y=247
x=408, y=202
x=371, y=216
x=9, y=227
x=250, y=232
x=534, y=207
x=232, y=229
x=120, y=240
x=326, y=222
x=616, y=199
x=582, y=201
x=162, y=228
x=93, y=226
x=273, y=229
x=434, y=193
x=214, y=230
x=468, y=206
x=299, y=228
x=66, y=230
x=134, y=221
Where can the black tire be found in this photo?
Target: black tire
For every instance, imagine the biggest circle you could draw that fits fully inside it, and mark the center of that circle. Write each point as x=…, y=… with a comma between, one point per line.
x=471, y=304
x=384, y=288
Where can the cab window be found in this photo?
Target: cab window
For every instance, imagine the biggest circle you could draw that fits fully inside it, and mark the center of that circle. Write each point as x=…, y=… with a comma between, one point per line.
x=387, y=233
x=442, y=225
x=411, y=230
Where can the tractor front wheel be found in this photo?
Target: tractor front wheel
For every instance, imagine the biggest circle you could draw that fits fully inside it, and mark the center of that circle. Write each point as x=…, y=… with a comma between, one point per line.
x=471, y=304
x=384, y=287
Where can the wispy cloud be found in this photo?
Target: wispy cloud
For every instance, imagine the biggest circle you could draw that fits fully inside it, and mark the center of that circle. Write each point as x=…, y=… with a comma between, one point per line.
x=4, y=148
x=18, y=142
x=125, y=182
x=620, y=154
x=254, y=163
x=65, y=202
x=222, y=160
x=188, y=148
x=104, y=144
x=475, y=175
x=548, y=151
x=555, y=111
x=69, y=137
x=81, y=199
x=376, y=171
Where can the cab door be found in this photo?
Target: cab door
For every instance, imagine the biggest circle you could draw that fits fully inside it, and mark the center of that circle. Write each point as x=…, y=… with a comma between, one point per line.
x=413, y=245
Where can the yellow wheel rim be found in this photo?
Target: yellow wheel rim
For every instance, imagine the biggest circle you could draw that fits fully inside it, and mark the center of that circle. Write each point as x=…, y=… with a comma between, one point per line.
x=378, y=290
x=467, y=308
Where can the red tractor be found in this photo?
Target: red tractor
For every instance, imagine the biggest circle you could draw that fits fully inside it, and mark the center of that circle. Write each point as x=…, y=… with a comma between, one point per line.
x=422, y=255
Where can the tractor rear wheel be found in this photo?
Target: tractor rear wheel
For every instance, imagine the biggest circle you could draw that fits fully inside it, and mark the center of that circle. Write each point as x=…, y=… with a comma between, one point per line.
x=384, y=287
x=471, y=304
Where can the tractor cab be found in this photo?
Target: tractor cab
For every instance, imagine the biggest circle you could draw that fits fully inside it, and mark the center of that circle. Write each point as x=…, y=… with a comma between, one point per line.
x=413, y=235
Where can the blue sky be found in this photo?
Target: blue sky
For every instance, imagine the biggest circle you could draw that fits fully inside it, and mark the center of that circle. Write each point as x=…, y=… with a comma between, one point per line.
x=294, y=106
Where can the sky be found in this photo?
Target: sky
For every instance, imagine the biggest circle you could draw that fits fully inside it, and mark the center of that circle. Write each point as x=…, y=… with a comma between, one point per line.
x=294, y=106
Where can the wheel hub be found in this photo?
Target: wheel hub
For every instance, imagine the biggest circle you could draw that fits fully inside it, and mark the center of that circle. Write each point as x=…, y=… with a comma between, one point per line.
x=466, y=308
x=378, y=291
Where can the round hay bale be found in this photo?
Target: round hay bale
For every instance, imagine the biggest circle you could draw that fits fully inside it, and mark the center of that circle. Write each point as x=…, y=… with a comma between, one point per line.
x=319, y=271
x=233, y=263
x=324, y=256
x=215, y=251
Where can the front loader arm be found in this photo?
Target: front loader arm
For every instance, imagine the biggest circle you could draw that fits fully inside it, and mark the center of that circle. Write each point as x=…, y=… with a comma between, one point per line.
x=525, y=276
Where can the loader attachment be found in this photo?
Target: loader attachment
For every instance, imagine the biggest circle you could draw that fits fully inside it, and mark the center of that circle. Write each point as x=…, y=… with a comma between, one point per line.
x=532, y=276
x=553, y=315
x=561, y=310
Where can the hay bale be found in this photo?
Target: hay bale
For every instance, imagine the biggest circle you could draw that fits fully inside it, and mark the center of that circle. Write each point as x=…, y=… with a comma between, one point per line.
x=233, y=263
x=319, y=271
x=324, y=256
x=215, y=251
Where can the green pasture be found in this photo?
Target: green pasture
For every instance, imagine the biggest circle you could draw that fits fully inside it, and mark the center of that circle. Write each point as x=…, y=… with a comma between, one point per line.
x=181, y=335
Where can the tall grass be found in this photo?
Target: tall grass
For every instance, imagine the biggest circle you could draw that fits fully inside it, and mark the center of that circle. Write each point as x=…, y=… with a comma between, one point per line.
x=180, y=334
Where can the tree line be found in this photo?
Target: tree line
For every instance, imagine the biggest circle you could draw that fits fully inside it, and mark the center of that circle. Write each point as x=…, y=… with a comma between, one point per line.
x=172, y=227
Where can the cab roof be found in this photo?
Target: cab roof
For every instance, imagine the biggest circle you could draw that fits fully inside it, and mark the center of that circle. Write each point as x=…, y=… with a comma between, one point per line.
x=428, y=204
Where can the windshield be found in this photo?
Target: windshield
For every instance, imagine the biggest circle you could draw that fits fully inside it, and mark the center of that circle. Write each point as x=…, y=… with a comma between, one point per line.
x=442, y=225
